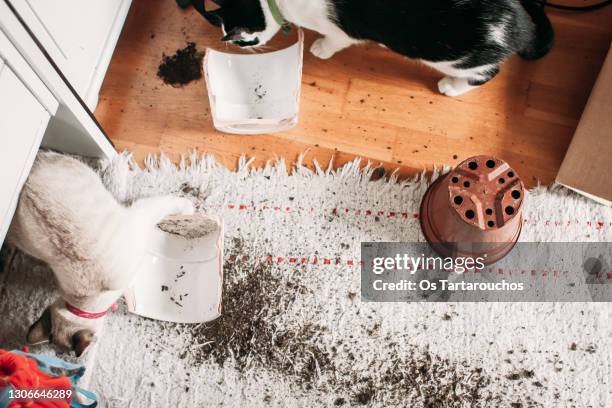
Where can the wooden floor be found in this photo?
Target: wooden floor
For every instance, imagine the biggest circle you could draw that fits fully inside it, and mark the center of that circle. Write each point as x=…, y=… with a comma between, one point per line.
x=364, y=102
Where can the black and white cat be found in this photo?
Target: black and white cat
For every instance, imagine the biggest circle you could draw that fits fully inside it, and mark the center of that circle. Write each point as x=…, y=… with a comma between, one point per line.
x=467, y=40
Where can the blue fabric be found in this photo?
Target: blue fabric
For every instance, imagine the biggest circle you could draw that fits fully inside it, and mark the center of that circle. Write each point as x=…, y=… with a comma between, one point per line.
x=4, y=396
x=56, y=367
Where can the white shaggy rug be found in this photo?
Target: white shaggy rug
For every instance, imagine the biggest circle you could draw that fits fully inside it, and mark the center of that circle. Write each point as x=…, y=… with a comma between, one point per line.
x=295, y=332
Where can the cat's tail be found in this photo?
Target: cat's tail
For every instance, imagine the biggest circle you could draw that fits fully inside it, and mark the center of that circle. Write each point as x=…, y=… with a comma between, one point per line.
x=544, y=35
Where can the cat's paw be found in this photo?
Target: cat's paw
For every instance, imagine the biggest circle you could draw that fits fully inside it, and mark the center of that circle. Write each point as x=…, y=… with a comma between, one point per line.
x=453, y=86
x=322, y=48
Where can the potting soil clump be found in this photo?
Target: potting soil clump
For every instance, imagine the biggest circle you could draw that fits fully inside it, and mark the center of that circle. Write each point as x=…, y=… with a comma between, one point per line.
x=181, y=68
x=188, y=227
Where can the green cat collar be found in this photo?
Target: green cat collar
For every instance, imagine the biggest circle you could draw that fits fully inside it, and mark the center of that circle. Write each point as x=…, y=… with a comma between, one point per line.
x=278, y=17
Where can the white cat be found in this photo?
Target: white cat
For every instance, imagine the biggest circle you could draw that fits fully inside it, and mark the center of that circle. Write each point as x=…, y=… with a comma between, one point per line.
x=67, y=218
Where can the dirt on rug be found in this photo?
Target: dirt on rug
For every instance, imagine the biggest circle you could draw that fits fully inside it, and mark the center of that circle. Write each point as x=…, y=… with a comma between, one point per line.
x=251, y=335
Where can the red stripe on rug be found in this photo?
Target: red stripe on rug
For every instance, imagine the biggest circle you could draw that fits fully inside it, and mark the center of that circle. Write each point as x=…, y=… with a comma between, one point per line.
x=597, y=224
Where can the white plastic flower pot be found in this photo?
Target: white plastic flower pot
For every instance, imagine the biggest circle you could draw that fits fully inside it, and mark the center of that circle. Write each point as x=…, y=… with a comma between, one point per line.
x=180, y=279
x=255, y=93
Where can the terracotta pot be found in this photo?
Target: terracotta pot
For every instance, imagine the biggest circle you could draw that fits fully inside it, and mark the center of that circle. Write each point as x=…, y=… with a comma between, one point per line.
x=475, y=210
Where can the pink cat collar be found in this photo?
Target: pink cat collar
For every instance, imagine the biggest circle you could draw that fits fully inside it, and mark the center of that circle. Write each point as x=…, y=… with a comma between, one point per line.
x=88, y=315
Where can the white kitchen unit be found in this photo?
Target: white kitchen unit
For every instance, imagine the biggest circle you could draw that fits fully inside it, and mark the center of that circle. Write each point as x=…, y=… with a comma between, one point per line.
x=25, y=109
x=53, y=58
x=79, y=35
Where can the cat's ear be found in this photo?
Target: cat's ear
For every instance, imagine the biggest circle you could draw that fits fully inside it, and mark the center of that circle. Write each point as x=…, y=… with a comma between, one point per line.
x=214, y=17
x=219, y=2
x=81, y=340
x=40, y=331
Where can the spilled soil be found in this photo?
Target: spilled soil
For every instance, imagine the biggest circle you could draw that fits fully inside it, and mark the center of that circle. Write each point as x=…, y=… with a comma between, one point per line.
x=251, y=334
x=182, y=67
x=247, y=334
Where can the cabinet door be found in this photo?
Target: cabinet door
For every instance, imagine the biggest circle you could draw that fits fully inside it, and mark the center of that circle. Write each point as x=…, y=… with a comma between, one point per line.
x=73, y=32
x=23, y=121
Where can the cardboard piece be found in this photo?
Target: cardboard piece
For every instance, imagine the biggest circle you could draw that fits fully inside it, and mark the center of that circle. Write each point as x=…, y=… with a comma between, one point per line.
x=587, y=167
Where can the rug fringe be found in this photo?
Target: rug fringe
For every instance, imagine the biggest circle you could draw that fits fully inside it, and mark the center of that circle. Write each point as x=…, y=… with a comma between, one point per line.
x=122, y=169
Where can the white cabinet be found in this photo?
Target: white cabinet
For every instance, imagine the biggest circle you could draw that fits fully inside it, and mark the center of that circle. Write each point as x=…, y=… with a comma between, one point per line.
x=79, y=35
x=26, y=105
x=23, y=121
x=53, y=58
